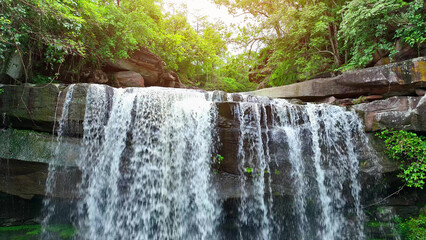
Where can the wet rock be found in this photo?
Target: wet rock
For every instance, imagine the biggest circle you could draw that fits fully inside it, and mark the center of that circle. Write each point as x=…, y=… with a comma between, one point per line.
x=34, y=146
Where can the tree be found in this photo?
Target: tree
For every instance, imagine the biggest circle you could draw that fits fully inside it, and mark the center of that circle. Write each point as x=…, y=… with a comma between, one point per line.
x=304, y=40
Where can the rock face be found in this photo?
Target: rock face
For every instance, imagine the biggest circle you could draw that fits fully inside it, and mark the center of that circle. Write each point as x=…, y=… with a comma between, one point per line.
x=401, y=78
x=24, y=154
x=34, y=107
x=149, y=66
x=403, y=113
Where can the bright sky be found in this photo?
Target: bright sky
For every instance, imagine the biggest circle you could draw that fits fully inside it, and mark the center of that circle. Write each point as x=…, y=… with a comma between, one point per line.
x=205, y=8
x=214, y=13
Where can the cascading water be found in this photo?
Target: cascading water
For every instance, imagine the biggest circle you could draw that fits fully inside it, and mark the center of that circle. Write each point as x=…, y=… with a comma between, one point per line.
x=146, y=172
x=145, y=165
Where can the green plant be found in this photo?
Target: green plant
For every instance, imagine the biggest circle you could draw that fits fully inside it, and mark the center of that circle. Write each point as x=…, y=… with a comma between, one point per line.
x=412, y=28
x=412, y=228
x=410, y=150
x=249, y=170
x=40, y=79
x=361, y=99
x=218, y=159
x=277, y=172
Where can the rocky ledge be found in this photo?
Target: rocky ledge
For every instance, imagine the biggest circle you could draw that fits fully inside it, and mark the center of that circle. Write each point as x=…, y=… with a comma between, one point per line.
x=401, y=78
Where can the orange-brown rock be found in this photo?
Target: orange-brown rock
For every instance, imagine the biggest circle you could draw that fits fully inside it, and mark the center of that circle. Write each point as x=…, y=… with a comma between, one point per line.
x=129, y=79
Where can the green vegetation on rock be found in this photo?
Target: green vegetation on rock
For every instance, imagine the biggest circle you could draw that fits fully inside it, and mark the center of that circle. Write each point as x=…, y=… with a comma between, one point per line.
x=303, y=39
x=413, y=228
x=61, y=231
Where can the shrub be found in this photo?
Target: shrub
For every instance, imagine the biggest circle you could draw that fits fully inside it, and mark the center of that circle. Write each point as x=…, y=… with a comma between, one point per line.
x=409, y=149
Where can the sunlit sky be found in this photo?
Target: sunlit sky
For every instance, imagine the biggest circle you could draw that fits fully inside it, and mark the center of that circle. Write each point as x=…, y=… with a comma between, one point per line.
x=205, y=8
x=213, y=12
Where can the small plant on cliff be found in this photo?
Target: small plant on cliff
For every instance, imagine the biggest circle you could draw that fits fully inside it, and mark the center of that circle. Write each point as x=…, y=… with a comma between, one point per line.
x=359, y=100
x=218, y=159
x=410, y=150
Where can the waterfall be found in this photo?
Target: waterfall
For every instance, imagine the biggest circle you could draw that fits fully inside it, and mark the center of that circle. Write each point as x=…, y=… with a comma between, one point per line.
x=146, y=165
x=146, y=168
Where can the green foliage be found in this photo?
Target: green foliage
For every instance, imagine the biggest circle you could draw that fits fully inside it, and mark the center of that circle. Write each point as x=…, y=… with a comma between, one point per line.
x=58, y=32
x=413, y=228
x=40, y=79
x=410, y=150
x=308, y=38
x=372, y=25
x=231, y=75
x=249, y=170
x=309, y=46
x=412, y=27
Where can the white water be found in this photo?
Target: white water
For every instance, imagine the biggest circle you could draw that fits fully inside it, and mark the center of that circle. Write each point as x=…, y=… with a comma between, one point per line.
x=145, y=164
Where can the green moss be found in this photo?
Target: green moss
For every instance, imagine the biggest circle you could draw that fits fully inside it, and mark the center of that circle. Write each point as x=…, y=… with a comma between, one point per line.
x=64, y=231
x=20, y=228
x=374, y=224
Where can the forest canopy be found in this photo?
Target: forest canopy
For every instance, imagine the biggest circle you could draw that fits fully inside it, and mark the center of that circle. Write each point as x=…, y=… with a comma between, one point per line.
x=299, y=39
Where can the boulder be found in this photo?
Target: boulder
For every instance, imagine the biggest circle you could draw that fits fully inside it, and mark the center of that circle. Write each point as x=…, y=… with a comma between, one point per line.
x=170, y=79
x=400, y=78
x=149, y=65
x=129, y=79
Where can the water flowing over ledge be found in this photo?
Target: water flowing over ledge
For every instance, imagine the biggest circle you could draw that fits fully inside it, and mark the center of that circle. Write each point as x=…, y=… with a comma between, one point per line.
x=148, y=171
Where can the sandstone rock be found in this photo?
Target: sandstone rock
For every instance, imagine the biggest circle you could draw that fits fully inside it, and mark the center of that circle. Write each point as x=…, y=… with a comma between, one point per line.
x=404, y=51
x=400, y=78
x=404, y=112
x=150, y=66
x=129, y=79
x=147, y=64
x=170, y=79
x=328, y=100
x=380, y=58
x=373, y=97
x=383, y=61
